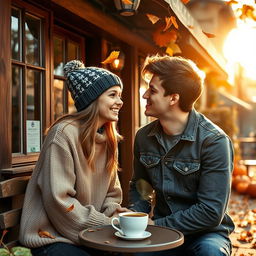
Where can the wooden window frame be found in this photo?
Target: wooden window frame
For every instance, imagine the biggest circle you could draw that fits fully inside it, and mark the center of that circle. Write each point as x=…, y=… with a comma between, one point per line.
x=20, y=158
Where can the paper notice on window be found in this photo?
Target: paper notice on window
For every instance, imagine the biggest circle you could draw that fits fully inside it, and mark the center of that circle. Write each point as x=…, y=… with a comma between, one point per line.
x=33, y=136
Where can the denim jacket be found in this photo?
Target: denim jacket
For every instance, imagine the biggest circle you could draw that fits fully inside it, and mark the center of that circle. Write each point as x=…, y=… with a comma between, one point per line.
x=192, y=180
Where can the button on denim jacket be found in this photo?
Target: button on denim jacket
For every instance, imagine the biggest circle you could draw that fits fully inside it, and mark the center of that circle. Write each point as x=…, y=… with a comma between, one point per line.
x=192, y=180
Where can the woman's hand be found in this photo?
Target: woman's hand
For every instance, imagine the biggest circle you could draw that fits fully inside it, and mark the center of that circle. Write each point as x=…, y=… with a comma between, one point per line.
x=119, y=210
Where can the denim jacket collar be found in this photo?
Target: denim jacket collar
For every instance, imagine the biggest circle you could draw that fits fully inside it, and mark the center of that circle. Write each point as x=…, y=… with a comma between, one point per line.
x=190, y=130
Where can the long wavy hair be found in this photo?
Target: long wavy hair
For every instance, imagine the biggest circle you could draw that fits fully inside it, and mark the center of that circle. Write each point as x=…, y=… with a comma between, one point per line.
x=88, y=122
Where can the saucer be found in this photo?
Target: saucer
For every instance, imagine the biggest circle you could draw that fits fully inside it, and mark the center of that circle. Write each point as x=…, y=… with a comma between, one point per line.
x=145, y=235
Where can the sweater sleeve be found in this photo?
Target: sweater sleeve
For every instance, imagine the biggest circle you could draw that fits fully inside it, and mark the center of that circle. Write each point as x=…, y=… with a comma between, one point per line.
x=57, y=183
x=114, y=196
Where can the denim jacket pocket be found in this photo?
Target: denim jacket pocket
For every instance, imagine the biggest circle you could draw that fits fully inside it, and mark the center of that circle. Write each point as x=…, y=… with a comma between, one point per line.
x=188, y=179
x=186, y=168
x=151, y=163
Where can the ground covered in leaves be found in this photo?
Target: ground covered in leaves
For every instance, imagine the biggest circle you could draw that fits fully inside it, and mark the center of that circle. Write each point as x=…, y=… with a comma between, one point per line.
x=242, y=209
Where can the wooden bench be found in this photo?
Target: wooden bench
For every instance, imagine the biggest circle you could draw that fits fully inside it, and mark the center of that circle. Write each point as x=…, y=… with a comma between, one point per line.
x=12, y=191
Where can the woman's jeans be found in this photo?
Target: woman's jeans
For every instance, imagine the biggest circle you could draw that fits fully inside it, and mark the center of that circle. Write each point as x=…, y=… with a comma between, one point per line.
x=211, y=244
x=64, y=249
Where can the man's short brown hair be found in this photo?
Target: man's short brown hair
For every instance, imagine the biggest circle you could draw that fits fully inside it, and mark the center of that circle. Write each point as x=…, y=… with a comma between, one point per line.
x=178, y=75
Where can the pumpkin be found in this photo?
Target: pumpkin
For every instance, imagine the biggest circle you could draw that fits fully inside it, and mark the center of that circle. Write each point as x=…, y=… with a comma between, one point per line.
x=242, y=187
x=251, y=190
x=239, y=169
x=238, y=179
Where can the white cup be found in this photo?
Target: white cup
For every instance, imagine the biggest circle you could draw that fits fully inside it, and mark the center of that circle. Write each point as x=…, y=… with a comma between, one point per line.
x=132, y=224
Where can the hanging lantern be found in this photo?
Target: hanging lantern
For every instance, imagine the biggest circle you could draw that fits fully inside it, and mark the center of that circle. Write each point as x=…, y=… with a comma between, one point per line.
x=127, y=7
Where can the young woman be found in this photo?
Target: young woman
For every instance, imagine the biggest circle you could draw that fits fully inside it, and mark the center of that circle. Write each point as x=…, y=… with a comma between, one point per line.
x=75, y=183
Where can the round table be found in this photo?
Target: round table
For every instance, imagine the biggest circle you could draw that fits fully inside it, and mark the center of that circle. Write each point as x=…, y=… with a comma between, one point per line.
x=103, y=238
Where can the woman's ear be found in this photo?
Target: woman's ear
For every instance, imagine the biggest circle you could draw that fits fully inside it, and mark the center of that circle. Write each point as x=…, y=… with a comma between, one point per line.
x=174, y=98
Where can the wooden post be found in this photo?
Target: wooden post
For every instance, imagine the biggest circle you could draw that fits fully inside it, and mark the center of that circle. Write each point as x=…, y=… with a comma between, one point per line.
x=5, y=84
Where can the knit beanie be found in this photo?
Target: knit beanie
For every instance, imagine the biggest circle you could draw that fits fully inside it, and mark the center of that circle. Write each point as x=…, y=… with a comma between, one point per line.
x=86, y=84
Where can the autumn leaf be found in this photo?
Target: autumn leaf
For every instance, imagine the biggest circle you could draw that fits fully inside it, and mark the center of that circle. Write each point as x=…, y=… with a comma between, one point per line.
x=113, y=55
x=45, y=234
x=162, y=39
x=175, y=48
x=169, y=51
x=70, y=208
x=209, y=35
x=174, y=22
x=154, y=19
x=231, y=2
x=185, y=1
x=168, y=23
x=127, y=2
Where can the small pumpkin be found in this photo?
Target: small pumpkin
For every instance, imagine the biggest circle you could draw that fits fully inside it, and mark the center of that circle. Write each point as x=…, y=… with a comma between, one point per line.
x=251, y=190
x=238, y=179
x=239, y=169
x=242, y=187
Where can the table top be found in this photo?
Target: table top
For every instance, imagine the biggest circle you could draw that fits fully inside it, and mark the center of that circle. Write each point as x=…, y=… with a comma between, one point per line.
x=103, y=238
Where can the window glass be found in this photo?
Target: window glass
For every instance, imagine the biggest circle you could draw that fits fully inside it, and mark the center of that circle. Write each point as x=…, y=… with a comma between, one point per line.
x=58, y=98
x=27, y=78
x=32, y=40
x=58, y=55
x=33, y=94
x=72, y=51
x=16, y=109
x=66, y=48
x=15, y=34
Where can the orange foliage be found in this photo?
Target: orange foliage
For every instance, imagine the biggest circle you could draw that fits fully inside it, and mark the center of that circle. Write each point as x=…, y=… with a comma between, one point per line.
x=185, y=1
x=174, y=22
x=113, y=55
x=231, y=2
x=154, y=19
x=45, y=234
x=127, y=1
x=70, y=208
x=168, y=23
x=162, y=39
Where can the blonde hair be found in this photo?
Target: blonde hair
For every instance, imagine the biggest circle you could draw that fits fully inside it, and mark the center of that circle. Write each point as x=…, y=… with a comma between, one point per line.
x=88, y=122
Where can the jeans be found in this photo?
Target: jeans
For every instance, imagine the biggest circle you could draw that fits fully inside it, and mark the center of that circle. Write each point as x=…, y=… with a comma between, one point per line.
x=211, y=244
x=65, y=249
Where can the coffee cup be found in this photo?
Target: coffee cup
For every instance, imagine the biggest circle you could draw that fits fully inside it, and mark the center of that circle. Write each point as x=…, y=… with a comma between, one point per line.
x=132, y=224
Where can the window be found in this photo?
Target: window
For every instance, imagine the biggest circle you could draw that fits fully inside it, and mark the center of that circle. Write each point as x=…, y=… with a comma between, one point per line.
x=66, y=47
x=28, y=79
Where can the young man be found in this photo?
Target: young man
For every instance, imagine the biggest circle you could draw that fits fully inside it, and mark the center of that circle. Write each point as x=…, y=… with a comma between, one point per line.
x=186, y=159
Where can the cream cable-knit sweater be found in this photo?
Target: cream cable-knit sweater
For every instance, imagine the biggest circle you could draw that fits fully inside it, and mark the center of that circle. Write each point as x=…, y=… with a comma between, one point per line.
x=64, y=196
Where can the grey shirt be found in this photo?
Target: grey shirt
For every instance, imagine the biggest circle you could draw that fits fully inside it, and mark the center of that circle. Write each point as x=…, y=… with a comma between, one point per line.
x=191, y=179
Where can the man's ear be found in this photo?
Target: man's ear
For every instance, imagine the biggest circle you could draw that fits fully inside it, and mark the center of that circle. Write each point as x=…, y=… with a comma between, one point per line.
x=174, y=98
